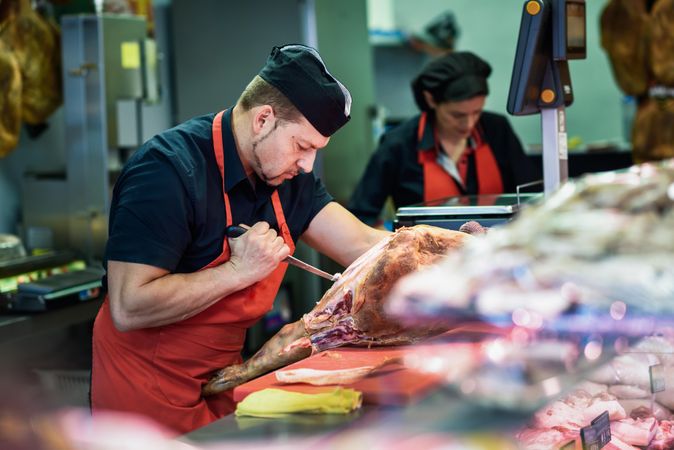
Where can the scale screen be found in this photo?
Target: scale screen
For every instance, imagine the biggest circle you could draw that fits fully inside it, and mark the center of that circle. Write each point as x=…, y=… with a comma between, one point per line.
x=11, y=283
x=575, y=30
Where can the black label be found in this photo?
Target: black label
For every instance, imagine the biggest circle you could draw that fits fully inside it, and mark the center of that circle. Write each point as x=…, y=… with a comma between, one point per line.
x=656, y=373
x=597, y=434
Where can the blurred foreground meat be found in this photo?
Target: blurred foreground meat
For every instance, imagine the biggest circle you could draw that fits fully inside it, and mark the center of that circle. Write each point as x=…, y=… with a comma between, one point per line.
x=604, y=238
x=352, y=310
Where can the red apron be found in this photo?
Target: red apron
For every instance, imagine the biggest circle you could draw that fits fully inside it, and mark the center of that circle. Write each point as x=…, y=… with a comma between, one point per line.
x=439, y=184
x=159, y=371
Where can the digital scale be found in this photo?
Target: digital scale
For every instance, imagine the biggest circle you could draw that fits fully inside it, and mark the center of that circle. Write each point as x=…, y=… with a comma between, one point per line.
x=42, y=282
x=551, y=33
x=452, y=212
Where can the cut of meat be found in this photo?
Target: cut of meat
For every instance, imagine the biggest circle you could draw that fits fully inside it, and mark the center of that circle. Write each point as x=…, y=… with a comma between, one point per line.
x=352, y=311
x=618, y=444
x=540, y=439
x=641, y=408
x=628, y=392
x=592, y=388
x=323, y=377
x=635, y=432
x=558, y=414
x=599, y=404
x=664, y=437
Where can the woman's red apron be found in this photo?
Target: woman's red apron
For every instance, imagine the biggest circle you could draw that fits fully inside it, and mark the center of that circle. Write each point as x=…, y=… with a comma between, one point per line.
x=159, y=371
x=439, y=184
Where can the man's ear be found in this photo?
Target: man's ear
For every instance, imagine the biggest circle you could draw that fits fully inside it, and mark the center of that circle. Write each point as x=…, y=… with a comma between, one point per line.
x=429, y=99
x=263, y=117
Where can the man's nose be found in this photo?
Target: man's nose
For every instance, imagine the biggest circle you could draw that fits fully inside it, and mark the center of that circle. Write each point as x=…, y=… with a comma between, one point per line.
x=306, y=163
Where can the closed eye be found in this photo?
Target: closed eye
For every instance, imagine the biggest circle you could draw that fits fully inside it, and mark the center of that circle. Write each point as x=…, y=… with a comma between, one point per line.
x=304, y=148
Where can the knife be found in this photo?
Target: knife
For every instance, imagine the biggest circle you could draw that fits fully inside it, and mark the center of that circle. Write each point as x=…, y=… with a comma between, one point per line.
x=234, y=231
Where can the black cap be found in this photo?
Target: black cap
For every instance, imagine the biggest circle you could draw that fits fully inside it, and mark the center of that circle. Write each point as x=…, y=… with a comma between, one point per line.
x=453, y=77
x=300, y=74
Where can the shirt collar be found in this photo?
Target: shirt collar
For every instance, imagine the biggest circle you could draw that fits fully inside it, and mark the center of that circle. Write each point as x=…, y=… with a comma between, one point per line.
x=234, y=172
x=427, y=139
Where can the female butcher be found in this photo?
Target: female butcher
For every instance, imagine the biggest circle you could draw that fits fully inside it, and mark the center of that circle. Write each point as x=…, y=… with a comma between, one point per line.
x=452, y=148
x=180, y=294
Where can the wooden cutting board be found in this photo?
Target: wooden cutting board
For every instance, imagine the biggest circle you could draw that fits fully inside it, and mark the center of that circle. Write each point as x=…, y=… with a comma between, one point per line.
x=392, y=384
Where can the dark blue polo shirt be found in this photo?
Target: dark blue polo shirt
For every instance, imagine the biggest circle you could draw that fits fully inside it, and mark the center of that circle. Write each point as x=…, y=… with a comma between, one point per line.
x=167, y=207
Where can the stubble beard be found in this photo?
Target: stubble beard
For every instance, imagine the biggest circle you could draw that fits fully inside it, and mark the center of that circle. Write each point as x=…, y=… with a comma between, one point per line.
x=257, y=163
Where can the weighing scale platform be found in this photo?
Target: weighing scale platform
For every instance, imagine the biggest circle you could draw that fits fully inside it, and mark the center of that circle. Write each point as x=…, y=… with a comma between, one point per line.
x=452, y=212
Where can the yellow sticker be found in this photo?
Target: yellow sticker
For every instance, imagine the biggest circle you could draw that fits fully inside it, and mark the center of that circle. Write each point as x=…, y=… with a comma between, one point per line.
x=130, y=55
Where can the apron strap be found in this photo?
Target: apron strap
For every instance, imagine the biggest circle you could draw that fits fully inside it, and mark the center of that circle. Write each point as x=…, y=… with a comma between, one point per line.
x=219, y=150
x=281, y=221
x=489, y=179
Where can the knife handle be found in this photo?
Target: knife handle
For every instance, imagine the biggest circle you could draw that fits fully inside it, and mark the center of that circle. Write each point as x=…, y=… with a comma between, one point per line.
x=234, y=231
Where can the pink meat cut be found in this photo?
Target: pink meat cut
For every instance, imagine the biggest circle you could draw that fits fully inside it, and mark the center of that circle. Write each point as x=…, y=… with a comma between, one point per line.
x=352, y=310
x=664, y=436
x=635, y=431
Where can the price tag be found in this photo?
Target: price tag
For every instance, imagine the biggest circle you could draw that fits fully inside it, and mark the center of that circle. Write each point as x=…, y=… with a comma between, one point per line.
x=657, y=376
x=597, y=434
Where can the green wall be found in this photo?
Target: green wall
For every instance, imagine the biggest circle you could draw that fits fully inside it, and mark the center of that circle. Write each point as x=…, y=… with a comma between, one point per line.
x=490, y=28
x=343, y=43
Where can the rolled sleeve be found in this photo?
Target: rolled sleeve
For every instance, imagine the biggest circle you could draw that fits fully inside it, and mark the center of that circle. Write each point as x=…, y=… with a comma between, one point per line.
x=150, y=217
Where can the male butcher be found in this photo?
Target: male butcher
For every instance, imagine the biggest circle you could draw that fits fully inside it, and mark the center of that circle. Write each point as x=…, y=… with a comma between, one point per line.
x=180, y=294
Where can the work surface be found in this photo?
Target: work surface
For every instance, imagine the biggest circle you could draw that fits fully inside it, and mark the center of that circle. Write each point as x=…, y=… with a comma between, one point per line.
x=440, y=412
x=397, y=400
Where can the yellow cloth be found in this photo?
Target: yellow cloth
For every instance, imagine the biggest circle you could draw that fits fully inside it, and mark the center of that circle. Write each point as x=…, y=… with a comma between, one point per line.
x=278, y=402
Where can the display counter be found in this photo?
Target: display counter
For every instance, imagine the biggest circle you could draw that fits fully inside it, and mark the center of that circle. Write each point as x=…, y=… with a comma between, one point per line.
x=41, y=347
x=15, y=327
x=592, y=161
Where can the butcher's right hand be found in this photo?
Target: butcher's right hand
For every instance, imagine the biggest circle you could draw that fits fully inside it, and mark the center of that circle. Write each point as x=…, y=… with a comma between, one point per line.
x=257, y=252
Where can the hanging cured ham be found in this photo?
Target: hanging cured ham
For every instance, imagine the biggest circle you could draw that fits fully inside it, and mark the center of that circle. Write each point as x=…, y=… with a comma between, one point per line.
x=10, y=100
x=624, y=25
x=35, y=43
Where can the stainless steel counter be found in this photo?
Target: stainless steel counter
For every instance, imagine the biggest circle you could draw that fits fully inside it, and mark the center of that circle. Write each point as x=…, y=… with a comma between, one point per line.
x=440, y=412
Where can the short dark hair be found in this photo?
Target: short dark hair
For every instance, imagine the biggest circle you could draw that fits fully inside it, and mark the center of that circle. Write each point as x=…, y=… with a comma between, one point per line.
x=259, y=92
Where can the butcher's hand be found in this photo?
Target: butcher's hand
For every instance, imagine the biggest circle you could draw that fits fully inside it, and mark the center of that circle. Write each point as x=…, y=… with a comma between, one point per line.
x=257, y=252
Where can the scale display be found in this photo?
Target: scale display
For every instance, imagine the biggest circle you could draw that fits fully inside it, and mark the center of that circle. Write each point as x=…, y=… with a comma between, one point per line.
x=551, y=32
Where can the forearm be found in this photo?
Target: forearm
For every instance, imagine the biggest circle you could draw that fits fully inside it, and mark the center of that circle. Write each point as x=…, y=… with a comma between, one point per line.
x=338, y=234
x=370, y=237
x=170, y=297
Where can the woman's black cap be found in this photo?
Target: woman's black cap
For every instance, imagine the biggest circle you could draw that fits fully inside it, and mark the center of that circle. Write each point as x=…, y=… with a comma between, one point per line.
x=300, y=74
x=454, y=77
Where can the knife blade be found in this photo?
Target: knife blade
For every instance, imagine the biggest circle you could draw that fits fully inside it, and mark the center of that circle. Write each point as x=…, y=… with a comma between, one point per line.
x=234, y=231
